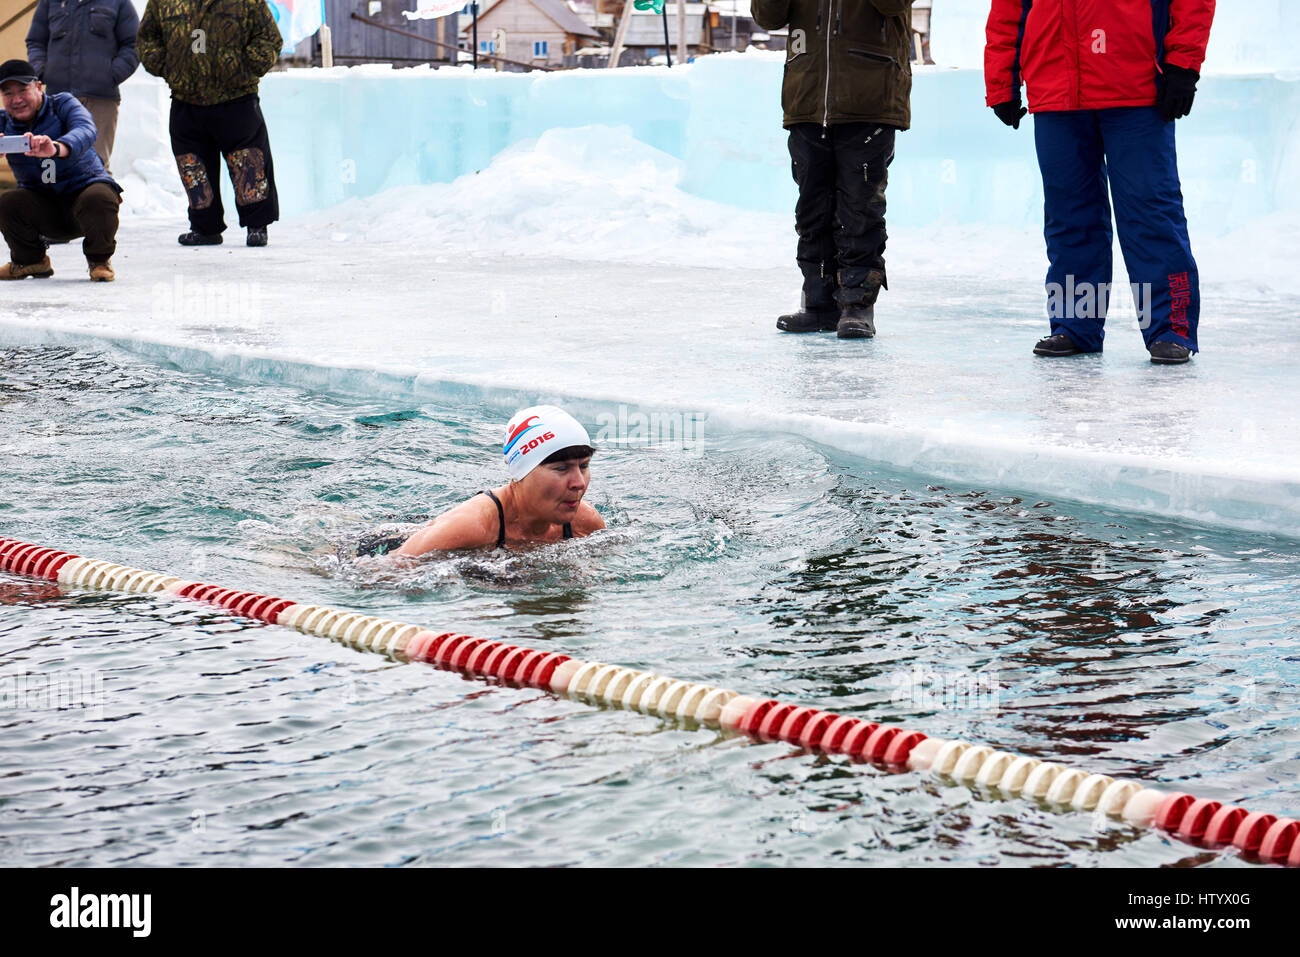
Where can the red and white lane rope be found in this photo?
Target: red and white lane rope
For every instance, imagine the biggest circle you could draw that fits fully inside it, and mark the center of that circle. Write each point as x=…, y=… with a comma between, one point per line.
x=1258, y=836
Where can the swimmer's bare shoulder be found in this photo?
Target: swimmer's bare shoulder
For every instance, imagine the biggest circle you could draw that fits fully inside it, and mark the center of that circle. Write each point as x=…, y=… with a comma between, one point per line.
x=471, y=524
x=587, y=520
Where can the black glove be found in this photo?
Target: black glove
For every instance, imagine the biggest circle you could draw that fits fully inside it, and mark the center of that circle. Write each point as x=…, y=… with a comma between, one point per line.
x=1175, y=88
x=1010, y=113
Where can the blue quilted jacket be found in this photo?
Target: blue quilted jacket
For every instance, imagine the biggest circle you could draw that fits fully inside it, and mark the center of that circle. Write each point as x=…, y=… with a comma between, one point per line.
x=63, y=118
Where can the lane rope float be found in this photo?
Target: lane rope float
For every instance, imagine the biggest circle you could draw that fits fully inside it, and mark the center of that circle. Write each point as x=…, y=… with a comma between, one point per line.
x=1257, y=836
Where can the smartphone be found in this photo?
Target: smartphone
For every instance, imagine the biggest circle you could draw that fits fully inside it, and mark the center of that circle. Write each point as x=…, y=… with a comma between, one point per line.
x=16, y=144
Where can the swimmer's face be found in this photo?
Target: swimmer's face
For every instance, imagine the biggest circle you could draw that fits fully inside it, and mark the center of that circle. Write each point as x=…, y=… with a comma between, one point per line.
x=556, y=489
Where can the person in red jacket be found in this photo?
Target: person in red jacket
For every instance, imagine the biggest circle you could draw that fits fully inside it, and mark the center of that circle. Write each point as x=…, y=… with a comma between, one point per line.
x=1106, y=79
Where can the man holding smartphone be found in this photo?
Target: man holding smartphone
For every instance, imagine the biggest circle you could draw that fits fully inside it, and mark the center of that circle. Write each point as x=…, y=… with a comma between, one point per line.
x=63, y=189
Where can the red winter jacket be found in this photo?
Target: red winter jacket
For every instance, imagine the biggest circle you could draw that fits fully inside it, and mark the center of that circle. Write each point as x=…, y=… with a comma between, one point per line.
x=1090, y=54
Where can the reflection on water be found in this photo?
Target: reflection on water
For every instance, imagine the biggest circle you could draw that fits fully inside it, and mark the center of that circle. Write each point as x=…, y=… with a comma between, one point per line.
x=764, y=564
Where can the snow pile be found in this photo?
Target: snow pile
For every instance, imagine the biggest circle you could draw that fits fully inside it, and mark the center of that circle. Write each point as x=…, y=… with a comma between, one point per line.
x=143, y=164
x=592, y=193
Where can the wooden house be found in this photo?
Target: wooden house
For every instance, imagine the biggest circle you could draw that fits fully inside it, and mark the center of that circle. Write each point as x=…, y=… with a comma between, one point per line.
x=645, y=33
x=731, y=25
x=383, y=35
x=543, y=32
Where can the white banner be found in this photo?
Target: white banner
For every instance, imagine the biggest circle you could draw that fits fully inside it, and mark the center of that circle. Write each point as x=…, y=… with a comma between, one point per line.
x=433, y=9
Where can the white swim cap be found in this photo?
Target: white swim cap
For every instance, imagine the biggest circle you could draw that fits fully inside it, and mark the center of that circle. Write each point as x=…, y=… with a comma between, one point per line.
x=534, y=433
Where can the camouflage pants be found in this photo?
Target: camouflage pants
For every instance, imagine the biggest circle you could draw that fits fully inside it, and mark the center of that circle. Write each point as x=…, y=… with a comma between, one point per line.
x=201, y=137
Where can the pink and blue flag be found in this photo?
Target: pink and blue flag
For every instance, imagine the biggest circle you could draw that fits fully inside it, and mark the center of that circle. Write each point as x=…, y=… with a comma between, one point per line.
x=297, y=20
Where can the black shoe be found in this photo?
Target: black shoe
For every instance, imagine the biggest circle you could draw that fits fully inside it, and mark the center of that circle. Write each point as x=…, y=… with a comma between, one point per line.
x=257, y=235
x=857, y=321
x=199, y=239
x=1169, y=353
x=1057, y=345
x=809, y=320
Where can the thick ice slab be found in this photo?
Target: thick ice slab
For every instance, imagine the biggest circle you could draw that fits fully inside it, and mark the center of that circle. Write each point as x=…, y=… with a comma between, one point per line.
x=948, y=390
x=588, y=264
x=346, y=134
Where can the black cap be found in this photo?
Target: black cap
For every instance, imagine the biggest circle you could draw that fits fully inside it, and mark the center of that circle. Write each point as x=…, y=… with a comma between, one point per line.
x=19, y=70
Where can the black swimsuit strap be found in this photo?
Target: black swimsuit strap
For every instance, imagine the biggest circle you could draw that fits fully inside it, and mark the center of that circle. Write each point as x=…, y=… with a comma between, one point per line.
x=501, y=519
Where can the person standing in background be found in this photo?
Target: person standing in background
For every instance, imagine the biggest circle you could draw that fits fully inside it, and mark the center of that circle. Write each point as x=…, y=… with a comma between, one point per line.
x=1106, y=81
x=213, y=53
x=846, y=93
x=86, y=48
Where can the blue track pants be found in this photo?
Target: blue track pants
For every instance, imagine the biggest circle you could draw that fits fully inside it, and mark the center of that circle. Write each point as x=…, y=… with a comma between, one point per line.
x=1084, y=156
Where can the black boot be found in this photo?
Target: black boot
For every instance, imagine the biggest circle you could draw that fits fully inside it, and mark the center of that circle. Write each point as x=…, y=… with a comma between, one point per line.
x=819, y=312
x=1169, y=353
x=857, y=322
x=256, y=235
x=199, y=239
x=858, y=303
x=809, y=320
x=1057, y=345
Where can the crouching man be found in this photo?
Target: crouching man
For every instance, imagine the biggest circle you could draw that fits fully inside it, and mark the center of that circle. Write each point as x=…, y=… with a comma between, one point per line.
x=63, y=192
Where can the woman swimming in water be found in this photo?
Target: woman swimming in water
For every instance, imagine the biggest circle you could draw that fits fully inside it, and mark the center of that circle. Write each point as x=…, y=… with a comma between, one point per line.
x=548, y=455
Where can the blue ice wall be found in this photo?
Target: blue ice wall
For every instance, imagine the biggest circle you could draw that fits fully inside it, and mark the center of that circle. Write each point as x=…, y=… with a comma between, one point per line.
x=344, y=133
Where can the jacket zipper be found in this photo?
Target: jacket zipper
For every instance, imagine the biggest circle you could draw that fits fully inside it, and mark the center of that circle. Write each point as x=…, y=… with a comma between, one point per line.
x=1074, y=47
x=826, y=96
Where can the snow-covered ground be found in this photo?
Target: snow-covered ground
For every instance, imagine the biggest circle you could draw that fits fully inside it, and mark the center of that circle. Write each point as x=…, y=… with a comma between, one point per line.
x=584, y=264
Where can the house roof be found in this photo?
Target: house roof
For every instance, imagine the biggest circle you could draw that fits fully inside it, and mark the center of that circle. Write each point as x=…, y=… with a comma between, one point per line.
x=564, y=18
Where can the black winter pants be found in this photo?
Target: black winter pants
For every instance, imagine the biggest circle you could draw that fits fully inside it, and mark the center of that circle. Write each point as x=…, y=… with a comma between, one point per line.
x=201, y=136
x=842, y=171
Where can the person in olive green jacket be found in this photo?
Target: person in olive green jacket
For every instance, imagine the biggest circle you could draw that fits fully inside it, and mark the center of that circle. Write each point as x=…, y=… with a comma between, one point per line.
x=212, y=53
x=847, y=89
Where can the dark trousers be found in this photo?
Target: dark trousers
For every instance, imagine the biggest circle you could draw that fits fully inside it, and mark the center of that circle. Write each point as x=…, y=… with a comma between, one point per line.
x=1086, y=158
x=842, y=172
x=201, y=136
x=28, y=214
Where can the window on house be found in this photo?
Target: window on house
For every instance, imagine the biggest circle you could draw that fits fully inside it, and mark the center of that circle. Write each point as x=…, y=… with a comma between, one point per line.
x=487, y=46
x=539, y=48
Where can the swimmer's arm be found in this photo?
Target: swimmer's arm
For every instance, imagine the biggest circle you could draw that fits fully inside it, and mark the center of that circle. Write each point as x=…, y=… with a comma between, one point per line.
x=462, y=527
